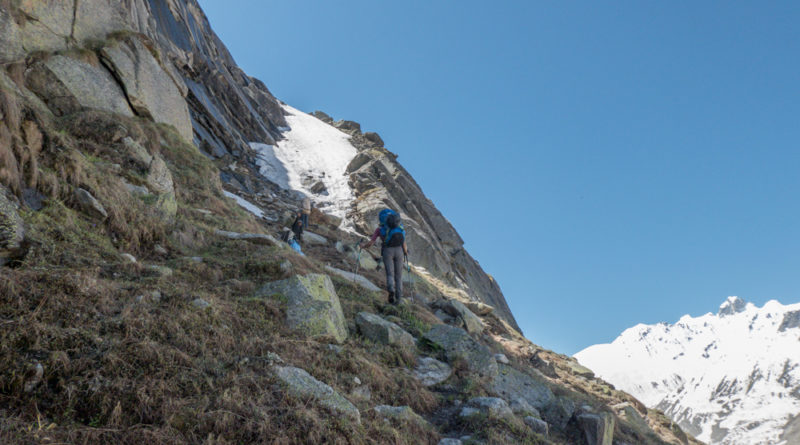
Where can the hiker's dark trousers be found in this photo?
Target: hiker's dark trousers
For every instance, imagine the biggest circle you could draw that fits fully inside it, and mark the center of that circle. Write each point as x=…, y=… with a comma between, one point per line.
x=393, y=262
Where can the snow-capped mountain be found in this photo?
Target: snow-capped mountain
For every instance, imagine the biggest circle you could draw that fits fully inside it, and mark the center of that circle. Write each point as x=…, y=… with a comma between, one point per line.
x=727, y=378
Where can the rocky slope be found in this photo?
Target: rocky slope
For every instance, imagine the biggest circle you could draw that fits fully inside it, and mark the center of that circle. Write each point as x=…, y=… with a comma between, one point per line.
x=728, y=378
x=143, y=294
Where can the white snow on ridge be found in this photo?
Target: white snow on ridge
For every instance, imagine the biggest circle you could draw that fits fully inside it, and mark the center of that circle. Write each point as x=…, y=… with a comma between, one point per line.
x=311, y=151
x=736, y=372
x=247, y=205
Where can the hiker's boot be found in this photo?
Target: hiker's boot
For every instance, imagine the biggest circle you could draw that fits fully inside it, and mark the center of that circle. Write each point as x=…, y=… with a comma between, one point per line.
x=391, y=297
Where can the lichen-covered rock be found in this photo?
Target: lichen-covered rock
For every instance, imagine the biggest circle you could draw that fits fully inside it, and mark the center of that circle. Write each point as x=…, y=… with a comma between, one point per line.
x=379, y=330
x=312, y=306
x=66, y=85
x=12, y=229
x=404, y=413
x=511, y=384
x=430, y=371
x=458, y=344
x=150, y=90
x=302, y=385
x=598, y=429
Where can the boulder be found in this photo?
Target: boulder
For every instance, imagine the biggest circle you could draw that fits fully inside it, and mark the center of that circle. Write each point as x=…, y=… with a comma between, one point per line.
x=313, y=238
x=578, y=369
x=199, y=303
x=598, y=429
x=255, y=238
x=559, y=411
x=430, y=371
x=457, y=344
x=521, y=407
x=348, y=126
x=300, y=384
x=537, y=425
x=319, y=188
x=160, y=271
x=449, y=441
x=66, y=85
x=90, y=205
x=502, y=359
x=479, y=308
x=365, y=260
x=492, y=407
x=323, y=116
x=511, y=384
x=457, y=309
x=313, y=307
x=379, y=330
x=12, y=230
x=374, y=138
x=151, y=91
x=358, y=279
x=629, y=413
x=404, y=413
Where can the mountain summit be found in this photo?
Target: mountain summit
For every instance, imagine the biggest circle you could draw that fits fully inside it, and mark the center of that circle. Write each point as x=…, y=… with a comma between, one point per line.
x=729, y=378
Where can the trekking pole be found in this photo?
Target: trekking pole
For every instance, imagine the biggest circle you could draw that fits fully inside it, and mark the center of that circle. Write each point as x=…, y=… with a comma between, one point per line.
x=358, y=263
x=410, y=278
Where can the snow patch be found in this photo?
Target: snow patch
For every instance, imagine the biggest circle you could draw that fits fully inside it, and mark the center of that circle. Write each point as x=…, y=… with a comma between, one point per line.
x=310, y=152
x=247, y=205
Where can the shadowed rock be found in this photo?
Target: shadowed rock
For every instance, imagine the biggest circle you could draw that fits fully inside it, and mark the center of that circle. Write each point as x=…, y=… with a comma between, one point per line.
x=458, y=344
x=598, y=429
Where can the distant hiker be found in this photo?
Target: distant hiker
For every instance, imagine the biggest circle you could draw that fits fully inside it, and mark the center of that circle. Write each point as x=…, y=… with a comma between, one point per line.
x=294, y=236
x=393, y=251
x=306, y=211
x=299, y=224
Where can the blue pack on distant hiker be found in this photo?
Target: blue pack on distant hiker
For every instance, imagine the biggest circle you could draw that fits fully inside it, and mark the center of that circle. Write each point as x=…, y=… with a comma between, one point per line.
x=392, y=231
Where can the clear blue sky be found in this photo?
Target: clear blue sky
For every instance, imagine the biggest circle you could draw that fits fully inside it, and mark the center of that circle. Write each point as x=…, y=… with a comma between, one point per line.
x=609, y=163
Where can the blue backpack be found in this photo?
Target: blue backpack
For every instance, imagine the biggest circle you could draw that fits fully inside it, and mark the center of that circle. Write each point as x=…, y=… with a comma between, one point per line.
x=391, y=226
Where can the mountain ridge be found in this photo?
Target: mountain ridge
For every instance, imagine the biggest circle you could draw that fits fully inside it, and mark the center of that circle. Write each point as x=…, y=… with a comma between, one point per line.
x=725, y=377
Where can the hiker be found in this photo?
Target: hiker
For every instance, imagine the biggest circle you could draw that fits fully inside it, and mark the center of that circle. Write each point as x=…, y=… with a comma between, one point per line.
x=393, y=251
x=306, y=211
x=299, y=224
x=294, y=236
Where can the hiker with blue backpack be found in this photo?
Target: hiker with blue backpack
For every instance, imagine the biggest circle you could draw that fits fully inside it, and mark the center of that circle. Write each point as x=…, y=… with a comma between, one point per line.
x=393, y=251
